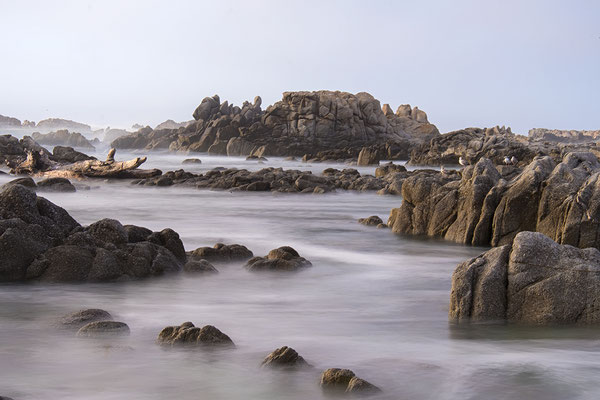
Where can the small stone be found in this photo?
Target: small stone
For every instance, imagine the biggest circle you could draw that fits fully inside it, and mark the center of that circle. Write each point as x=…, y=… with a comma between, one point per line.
x=82, y=317
x=199, y=267
x=103, y=328
x=284, y=357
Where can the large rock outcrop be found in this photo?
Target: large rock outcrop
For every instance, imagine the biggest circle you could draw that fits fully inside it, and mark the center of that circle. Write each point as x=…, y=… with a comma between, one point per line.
x=53, y=124
x=41, y=241
x=9, y=122
x=473, y=144
x=301, y=123
x=561, y=201
x=533, y=280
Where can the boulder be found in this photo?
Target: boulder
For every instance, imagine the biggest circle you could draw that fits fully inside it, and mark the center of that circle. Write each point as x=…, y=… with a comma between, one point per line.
x=189, y=335
x=373, y=220
x=103, y=329
x=221, y=252
x=360, y=386
x=284, y=357
x=199, y=267
x=283, y=258
x=83, y=317
x=533, y=280
x=192, y=161
x=66, y=154
x=56, y=185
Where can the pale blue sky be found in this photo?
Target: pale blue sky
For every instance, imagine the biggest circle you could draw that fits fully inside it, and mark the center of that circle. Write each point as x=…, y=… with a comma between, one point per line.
x=521, y=63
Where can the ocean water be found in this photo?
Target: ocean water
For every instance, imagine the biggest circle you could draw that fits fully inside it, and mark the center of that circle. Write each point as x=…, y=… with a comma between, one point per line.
x=373, y=302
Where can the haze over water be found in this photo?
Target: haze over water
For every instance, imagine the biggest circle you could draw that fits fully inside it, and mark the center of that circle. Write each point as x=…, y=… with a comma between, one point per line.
x=373, y=302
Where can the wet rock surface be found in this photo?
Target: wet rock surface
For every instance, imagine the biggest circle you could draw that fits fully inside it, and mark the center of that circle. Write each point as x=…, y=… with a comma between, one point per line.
x=534, y=280
x=345, y=381
x=189, y=335
x=283, y=258
x=199, y=267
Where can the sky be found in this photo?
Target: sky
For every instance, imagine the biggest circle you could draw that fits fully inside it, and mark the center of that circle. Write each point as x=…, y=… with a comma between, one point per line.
x=522, y=64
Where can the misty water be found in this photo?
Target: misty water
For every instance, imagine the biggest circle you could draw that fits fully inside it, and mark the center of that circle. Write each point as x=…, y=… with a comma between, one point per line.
x=373, y=302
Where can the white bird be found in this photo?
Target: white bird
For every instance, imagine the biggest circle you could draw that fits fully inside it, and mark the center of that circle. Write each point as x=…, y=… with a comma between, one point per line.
x=462, y=161
x=443, y=170
x=507, y=160
x=514, y=160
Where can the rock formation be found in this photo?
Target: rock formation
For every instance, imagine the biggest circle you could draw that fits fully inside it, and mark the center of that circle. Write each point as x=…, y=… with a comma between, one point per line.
x=9, y=121
x=563, y=136
x=103, y=329
x=344, y=380
x=189, y=335
x=83, y=317
x=481, y=207
x=301, y=123
x=40, y=241
x=283, y=258
x=62, y=138
x=473, y=144
x=532, y=280
x=221, y=253
x=284, y=357
x=53, y=124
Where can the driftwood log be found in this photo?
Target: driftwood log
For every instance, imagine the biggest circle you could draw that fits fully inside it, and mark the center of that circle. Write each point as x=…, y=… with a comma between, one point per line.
x=39, y=164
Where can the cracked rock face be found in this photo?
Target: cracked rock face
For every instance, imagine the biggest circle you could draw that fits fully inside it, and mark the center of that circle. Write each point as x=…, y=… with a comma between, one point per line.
x=483, y=207
x=534, y=280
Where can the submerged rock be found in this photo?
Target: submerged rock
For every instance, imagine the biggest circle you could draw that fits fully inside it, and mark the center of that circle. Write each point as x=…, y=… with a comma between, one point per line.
x=285, y=357
x=199, y=267
x=103, y=328
x=344, y=380
x=373, y=220
x=56, y=185
x=533, y=280
x=221, y=252
x=82, y=317
x=188, y=334
x=192, y=161
x=283, y=258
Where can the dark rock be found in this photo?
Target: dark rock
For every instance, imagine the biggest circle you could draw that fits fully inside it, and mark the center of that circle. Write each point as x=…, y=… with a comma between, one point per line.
x=27, y=182
x=65, y=154
x=360, y=386
x=137, y=234
x=199, y=266
x=285, y=357
x=336, y=379
x=192, y=161
x=388, y=168
x=82, y=317
x=188, y=334
x=222, y=253
x=373, y=220
x=56, y=185
x=103, y=329
x=281, y=259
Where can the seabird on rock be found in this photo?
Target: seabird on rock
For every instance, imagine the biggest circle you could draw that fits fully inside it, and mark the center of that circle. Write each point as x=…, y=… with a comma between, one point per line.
x=462, y=161
x=514, y=160
x=507, y=160
x=442, y=170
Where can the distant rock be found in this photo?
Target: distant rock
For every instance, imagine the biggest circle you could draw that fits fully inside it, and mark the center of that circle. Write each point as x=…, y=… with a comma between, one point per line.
x=52, y=124
x=103, y=329
x=373, y=220
x=170, y=124
x=192, y=161
x=283, y=258
x=9, y=122
x=534, y=280
x=564, y=136
x=189, y=335
x=63, y=138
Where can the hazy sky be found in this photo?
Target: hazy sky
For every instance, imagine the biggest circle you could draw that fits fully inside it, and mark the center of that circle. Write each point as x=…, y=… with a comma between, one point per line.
x=465, y=62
